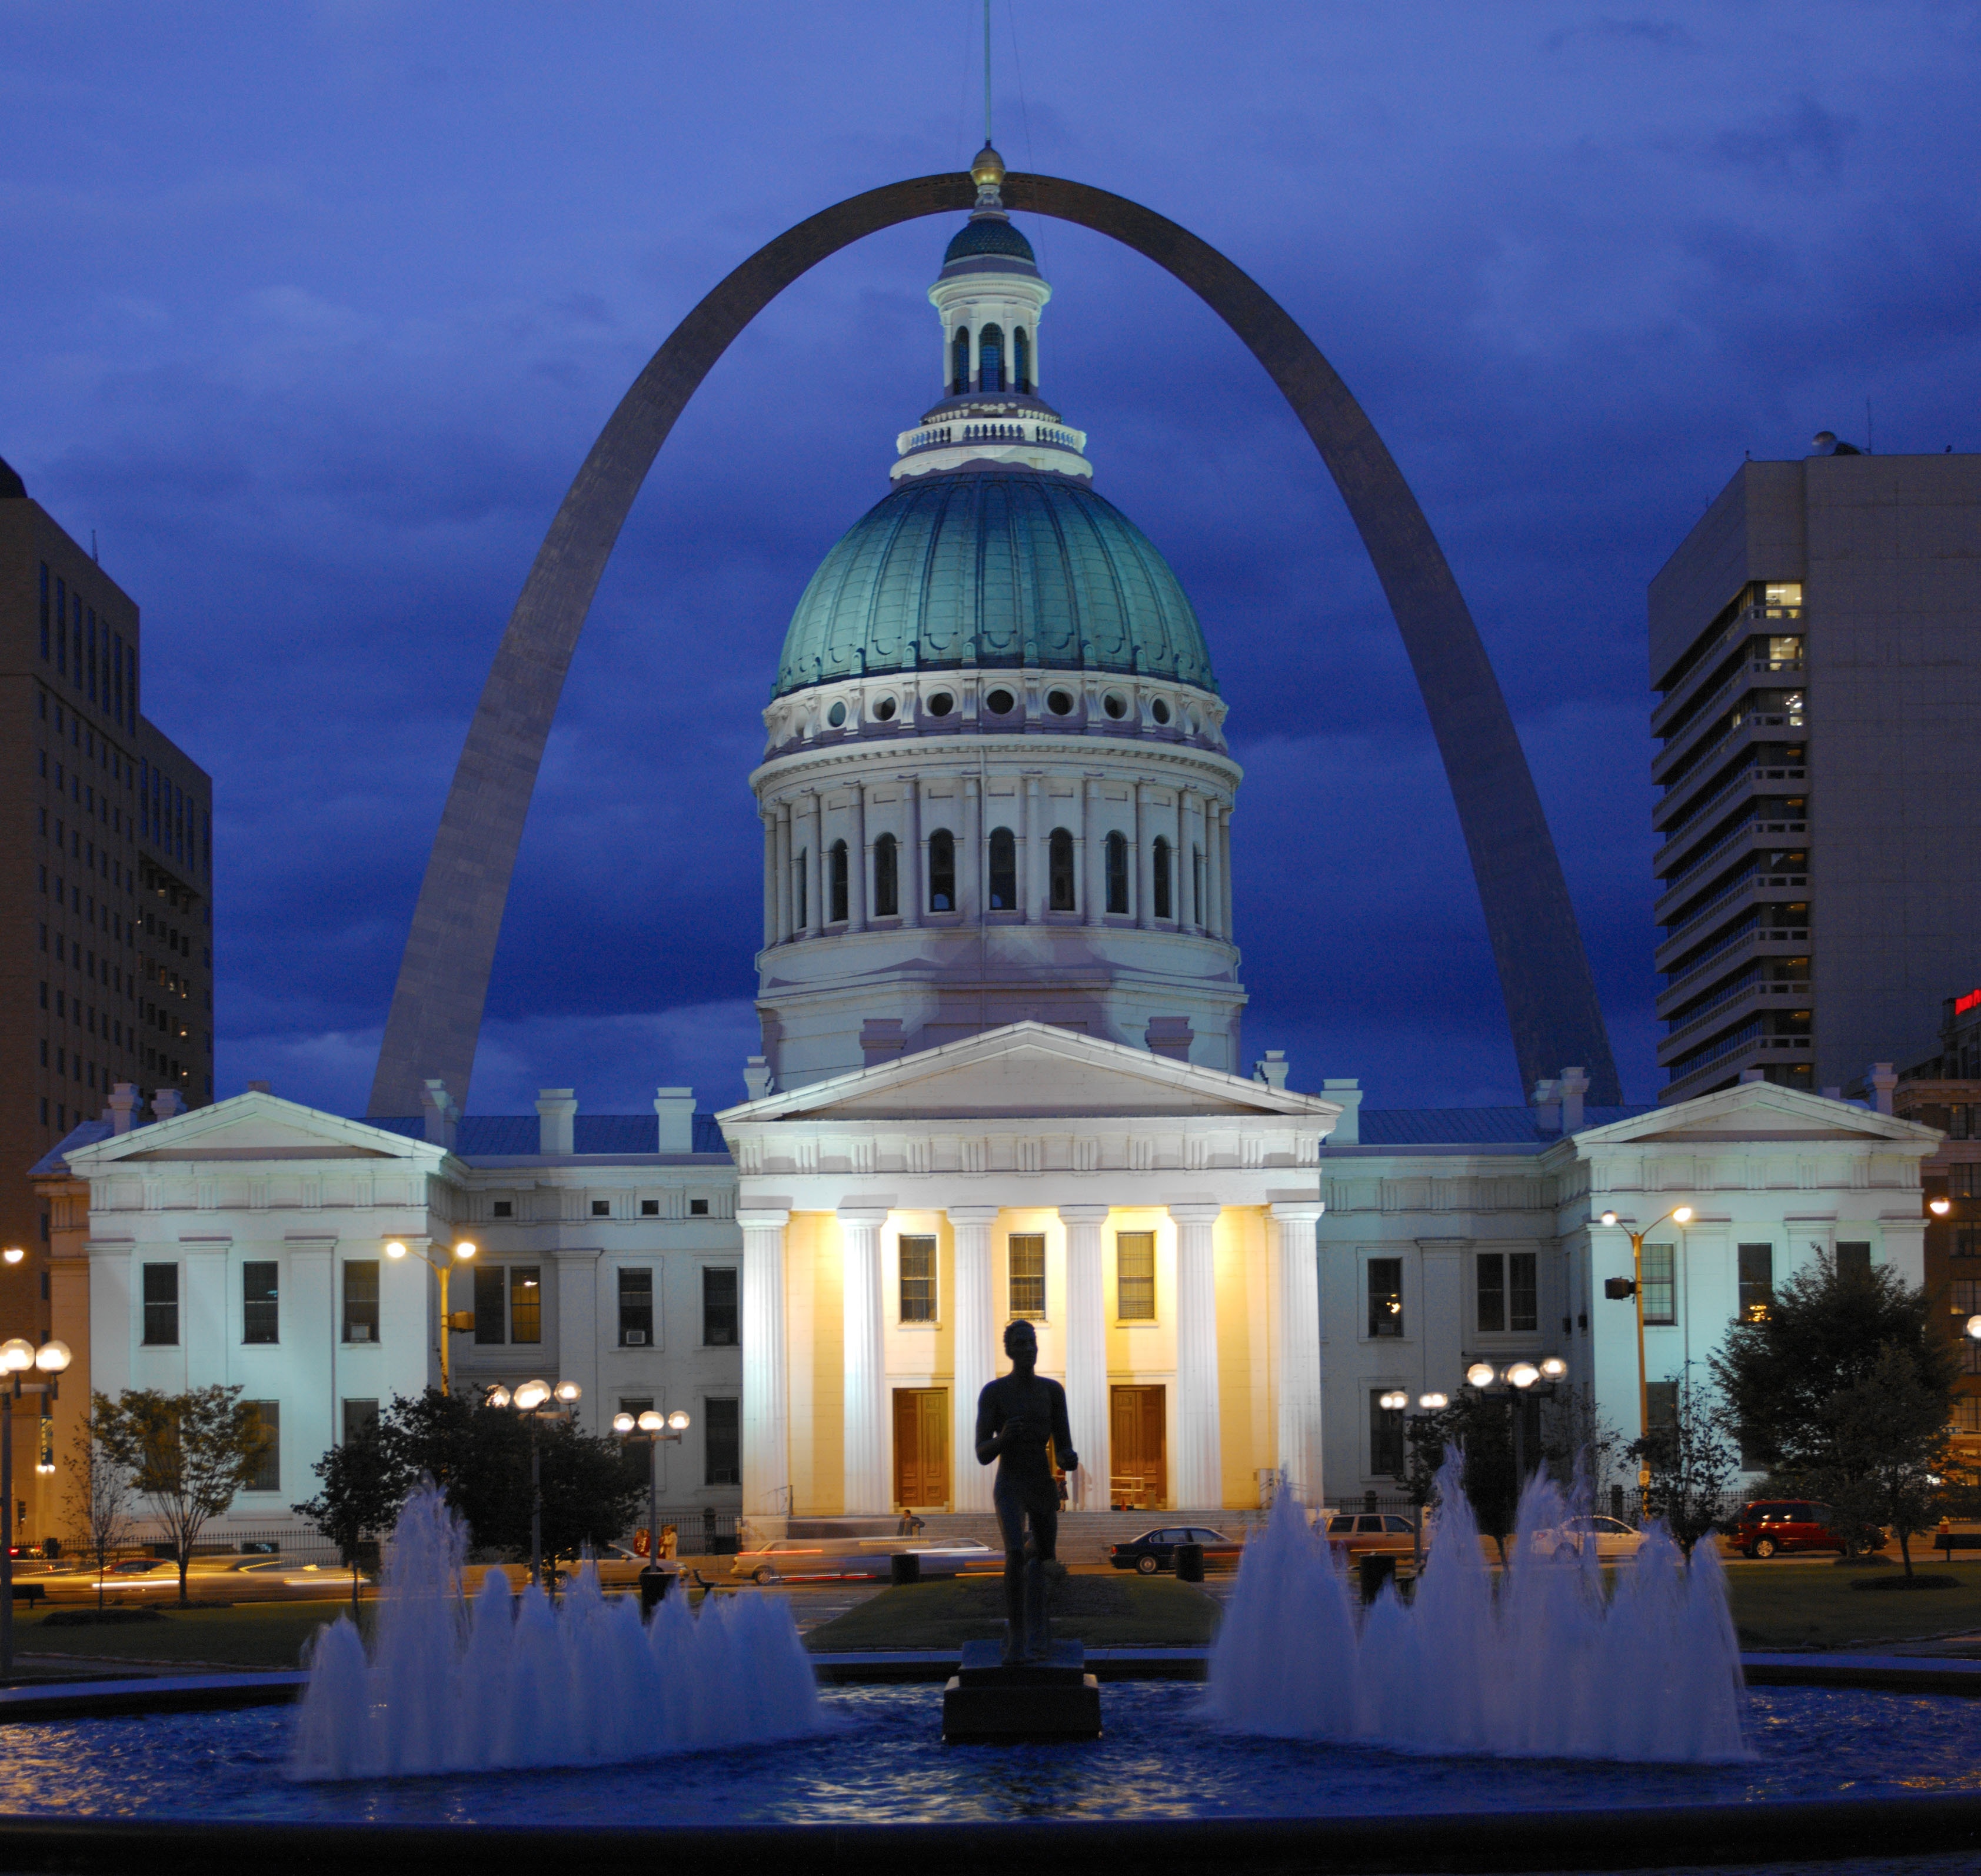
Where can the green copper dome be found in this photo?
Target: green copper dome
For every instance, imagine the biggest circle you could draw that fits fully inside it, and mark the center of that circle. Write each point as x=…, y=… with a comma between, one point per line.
x=1004, y=568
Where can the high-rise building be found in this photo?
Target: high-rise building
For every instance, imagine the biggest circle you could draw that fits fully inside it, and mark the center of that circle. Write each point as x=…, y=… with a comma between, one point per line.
x=1816, y=640
x=106, y=870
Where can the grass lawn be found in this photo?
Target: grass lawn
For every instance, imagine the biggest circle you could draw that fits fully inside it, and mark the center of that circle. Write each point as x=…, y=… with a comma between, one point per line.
x=254, y=1635
x=1103, y=1612
x=1789, y=1605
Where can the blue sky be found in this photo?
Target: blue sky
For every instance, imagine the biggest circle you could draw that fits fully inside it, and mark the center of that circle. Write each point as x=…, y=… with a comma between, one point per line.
x=312, y=312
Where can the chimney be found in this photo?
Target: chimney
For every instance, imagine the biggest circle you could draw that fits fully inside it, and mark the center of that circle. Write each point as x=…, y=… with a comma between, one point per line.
x=881, y=1041
x=756, y=1077
x=1573, y=1085
x=260, y=1087
x=441, y=1114
x=675, y=1106
x=1547, y=1107
x=1348, y=1129
x=1170, y=1036
x=1883, y=1081
x=166, y=1102
x=557, y=1108
x=122, y=1112
x=1272, y=1070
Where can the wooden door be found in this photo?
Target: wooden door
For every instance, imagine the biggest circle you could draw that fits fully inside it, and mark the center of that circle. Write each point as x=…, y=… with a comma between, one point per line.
x=1139, y=1426
x=921, y=1447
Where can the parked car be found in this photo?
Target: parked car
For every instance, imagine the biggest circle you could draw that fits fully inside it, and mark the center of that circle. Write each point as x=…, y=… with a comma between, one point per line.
x=1572, y=1537
x=826, y=1560
x=1771, y=1526
x=1156, y=1550
x=1356, y=1534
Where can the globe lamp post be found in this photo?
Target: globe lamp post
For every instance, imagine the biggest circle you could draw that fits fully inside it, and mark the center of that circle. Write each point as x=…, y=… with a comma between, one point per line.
x=462, y=1253
x=1397, y=1403
x=1518, y=1377
x=1620, y=1288
x=17, y=1357
x=657, y=1429
x=535, y=1401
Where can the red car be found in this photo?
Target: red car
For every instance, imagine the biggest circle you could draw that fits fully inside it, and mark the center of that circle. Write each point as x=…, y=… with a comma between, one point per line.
x=1770, y=1526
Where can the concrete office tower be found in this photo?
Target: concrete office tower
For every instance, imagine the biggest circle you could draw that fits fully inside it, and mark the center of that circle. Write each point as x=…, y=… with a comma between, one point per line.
x=1817, y=640
x=106, y=868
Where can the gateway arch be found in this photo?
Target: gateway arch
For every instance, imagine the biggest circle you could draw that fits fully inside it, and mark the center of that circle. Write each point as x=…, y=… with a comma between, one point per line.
x=443, y=984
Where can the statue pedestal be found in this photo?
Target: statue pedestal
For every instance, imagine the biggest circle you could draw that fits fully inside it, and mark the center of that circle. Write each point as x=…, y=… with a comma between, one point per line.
x=1055, y=1698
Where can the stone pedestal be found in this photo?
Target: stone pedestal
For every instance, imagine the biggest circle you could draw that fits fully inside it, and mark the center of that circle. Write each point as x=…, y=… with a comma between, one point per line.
x=1055, y=1698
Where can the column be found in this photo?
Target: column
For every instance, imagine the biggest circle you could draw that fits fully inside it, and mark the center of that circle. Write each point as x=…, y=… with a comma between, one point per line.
x=1213, y=917
x=1094, y=847
x=1198, y=1483
x=1224, y=925
x=975, y=1353
x=1180, y=867
x=859, y=864
x=770, y=821
x=867, y=1492
x=970, y=858
x=1087, y=1406
x=914, y=884
x=1296, y=1348
x=783, y=870
x=1032, y=855
x=767, y=1464
x=815, y=880
x=1145, y=857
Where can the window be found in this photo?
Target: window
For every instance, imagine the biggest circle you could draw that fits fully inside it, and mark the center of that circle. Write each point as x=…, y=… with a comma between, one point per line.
x=1025, y=1275
x=601, y=1208
x=1853, y=1260
x=837, y=914
x=1661, y=1403
x=1757, y=1281
x=942, y=870
x=990, y=358
x=1003, y=871
x=1964, y=1181
x=886, y=878
x=1386, y=1439
x=360, y=1299
x=1059, y=852
x=1135, y=1276
x=1162, y=870
x=1021, y=361
x=636, y=1308
x=697, y=1207
x=959, y=372
x=1966, y=1240
x=491, y=1318
x=257, y=1303
x=1117, y=874
x=1385, y=1296
x=1967, y=1413
x=503, y=1208
x=721, y=1443
x=718, y=1308
x=650, y=1207
x=1970, y=1355
x=267, y=1416
x=1657, y=1290
x=799, y=915
x=360, y=1420
x=917, y=1279
x=161, y=1305
x=526, y=1303
x=1966, y=1298
x=1508, y=1292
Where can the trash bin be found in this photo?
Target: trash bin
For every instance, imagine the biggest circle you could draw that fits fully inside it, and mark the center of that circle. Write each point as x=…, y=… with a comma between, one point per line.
x=1190, y=1563
x=653, y=1585
x=1376, y=1571
x=904, y=1567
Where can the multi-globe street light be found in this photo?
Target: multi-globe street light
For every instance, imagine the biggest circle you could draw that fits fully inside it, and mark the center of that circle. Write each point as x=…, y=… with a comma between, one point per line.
x=462, y=1252
x=1619, y=1289
x=535, y=1401
x=17, y=1356
x=1518, y=1377
x=1397, y=1403
x=658, y=1429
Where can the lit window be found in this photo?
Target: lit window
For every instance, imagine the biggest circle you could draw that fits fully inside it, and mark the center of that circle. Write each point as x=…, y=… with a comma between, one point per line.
x=1026, y=1274
x=1757, y=1281
x=1385, y=1296
x=918, y=1257
x=1135, y=1276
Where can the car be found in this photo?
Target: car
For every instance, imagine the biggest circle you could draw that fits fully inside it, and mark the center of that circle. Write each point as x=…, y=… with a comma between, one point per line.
x=832, y=1560
x=1156, y=1550
x=1356, y=1534
x=1572, y=1537
x=1769, y=1527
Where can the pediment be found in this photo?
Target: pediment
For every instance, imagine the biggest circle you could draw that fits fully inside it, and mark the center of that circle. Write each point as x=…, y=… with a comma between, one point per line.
x=1760, y=1111
x=1032, y=1070
x=249, y=1127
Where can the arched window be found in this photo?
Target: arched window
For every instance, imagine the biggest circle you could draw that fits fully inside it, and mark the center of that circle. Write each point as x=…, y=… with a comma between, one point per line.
x=1059, y=854
x=1003, y=871
x=1197, y=885
x=942, y=870
x=837, y=913
x=1162, y=878
x=990, y=359
x=886, y=878
x=1021, y=361
x=959, y=374
x=801, y=915
x=1117, y=873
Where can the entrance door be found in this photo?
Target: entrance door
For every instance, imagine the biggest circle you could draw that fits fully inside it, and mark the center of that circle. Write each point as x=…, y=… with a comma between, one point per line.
x=921, y=1446
x=1137, y=1420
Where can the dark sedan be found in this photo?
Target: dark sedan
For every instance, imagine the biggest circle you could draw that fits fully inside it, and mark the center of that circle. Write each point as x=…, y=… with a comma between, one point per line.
x=1156, y=1550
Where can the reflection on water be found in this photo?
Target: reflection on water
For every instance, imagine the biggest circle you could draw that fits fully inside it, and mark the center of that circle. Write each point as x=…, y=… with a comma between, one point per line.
x=1162, y=1756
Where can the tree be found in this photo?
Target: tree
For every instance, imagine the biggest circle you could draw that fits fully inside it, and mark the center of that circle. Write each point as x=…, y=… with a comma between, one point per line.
x=187, y=1454
x=1891, y=1449
x=363, y=1490
x=99, y=1498
x=1481, y=1427
x=1692, y=1460
x=1579, y=1445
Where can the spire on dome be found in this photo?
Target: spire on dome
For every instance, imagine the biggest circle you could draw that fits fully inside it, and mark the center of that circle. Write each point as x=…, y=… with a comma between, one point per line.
x=987, y=173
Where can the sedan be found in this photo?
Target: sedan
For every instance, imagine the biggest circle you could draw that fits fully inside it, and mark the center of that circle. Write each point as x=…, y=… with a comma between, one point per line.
x=1156, y=1550
x=832, y=1559
x=1573, y=1537
x=1357, y=1534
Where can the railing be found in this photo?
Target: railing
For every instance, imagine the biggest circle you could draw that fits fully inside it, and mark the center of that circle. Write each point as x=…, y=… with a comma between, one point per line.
x=1742, y=625
x=700, y=1529
x=1746, y=831
x=1793, y=989
x=1746, y=778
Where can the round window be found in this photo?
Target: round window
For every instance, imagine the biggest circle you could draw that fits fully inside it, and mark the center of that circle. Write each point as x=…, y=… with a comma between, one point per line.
x=1115, y=705
x=1060, y=703
x=1160, y=710
x=1001, y=703
x=941, y=703
x=836, y=715
x=883, y=711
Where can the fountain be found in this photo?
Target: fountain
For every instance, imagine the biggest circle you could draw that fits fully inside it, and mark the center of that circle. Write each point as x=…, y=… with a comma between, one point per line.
x=1532, y=1671
x=510, y=1682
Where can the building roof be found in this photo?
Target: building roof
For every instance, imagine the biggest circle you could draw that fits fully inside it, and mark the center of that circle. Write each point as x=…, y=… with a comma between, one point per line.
x=514, y=1136
x=989, y=233
x=998, y=566
x=1473, y=1126
x=54, y=1164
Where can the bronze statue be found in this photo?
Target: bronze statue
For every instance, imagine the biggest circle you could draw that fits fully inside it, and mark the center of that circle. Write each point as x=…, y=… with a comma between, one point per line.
x=1017, y=1414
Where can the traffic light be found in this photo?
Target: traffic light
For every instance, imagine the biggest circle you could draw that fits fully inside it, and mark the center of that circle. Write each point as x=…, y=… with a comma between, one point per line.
x=1618, y=1289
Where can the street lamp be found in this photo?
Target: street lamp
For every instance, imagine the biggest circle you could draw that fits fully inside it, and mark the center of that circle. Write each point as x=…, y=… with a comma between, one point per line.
x=1517, y=1377
x=1617, y=1289
x=536, y=1400
x=1939, y=1208
x=656, y=1428
x=17, y=1356
x=12, y=1255
x=463, y=1251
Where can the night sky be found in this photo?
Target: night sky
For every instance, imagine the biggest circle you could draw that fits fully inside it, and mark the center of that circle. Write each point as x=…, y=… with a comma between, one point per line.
x=312, y=311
